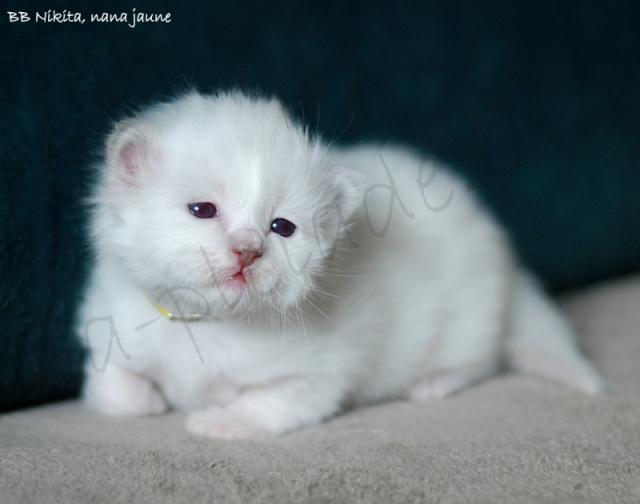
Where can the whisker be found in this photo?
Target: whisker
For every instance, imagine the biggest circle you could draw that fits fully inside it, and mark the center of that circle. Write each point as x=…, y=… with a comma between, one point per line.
x=316, y=307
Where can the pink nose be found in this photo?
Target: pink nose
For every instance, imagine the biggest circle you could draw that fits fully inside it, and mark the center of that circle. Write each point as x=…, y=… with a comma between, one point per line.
x=247, y=257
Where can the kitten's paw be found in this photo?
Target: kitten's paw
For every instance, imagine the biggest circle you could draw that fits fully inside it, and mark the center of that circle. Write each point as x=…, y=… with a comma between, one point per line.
x=450, y=381
x=221, y=423
x=437, y=387
x=119, y=392
x=585, y=378
x=154, y=403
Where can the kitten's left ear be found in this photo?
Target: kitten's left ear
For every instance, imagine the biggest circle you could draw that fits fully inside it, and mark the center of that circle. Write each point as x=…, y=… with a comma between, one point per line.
x=349, y=186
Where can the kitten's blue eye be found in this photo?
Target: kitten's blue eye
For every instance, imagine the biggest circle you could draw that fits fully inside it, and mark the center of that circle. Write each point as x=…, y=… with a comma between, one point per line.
x=283, y=227
x=203, y=210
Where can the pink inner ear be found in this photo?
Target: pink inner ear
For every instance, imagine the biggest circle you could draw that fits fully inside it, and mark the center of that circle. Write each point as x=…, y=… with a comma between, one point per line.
x=131, y=157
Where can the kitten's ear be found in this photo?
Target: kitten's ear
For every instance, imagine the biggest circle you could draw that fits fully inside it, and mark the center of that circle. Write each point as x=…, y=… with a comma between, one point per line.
x=282, y=110
x=349, y=186
x=128, y=153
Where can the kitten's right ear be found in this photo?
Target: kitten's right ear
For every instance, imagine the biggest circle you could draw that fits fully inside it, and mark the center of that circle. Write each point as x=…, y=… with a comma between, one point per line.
x=128, y=153
x=349, y=188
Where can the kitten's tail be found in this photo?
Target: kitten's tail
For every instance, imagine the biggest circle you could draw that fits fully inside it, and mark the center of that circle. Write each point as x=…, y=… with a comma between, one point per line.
x=543, y=343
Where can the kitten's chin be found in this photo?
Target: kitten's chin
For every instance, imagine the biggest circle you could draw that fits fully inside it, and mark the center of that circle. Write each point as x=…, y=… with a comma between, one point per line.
x=236, y=296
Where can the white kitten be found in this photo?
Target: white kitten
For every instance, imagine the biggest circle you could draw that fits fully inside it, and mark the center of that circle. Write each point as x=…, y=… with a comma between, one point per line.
x=261, y=280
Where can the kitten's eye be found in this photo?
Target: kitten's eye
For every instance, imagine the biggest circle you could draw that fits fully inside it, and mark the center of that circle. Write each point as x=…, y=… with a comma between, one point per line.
x=283, y=227
x=203, y=210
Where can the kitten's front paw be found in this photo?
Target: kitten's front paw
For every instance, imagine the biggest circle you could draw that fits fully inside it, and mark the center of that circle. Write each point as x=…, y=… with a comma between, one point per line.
x=447, y=382
x=439, y=385
x=119, y=392
x=435, y=388
x=221, y=423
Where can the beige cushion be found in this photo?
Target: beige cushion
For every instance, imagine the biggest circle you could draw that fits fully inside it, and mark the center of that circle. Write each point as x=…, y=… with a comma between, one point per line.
x=512, y=439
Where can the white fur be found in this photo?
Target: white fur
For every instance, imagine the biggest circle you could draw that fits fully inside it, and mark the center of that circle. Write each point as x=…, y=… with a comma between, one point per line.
x=373, y=297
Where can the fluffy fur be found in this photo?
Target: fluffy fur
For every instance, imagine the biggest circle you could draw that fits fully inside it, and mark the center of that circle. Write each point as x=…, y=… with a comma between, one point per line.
x=395, y=284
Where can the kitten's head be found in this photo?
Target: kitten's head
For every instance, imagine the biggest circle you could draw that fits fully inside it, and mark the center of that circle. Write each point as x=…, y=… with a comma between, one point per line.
x=221, y=200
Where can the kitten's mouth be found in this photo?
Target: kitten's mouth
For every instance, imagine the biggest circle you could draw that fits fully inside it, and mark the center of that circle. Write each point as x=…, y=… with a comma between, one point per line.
x=238, y=279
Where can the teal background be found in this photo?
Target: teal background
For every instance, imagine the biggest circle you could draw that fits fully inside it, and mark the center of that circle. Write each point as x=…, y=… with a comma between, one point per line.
x=537, y=103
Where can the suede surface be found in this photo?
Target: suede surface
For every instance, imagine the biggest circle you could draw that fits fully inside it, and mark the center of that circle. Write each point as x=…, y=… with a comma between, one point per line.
x=512, y=439
x=536, y=104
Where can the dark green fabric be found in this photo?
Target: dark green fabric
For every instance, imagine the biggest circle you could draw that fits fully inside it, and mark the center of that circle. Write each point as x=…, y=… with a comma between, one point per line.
x=537, y=104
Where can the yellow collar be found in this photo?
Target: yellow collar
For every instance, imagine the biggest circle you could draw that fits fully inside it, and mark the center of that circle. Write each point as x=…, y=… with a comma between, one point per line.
x=180, y=317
